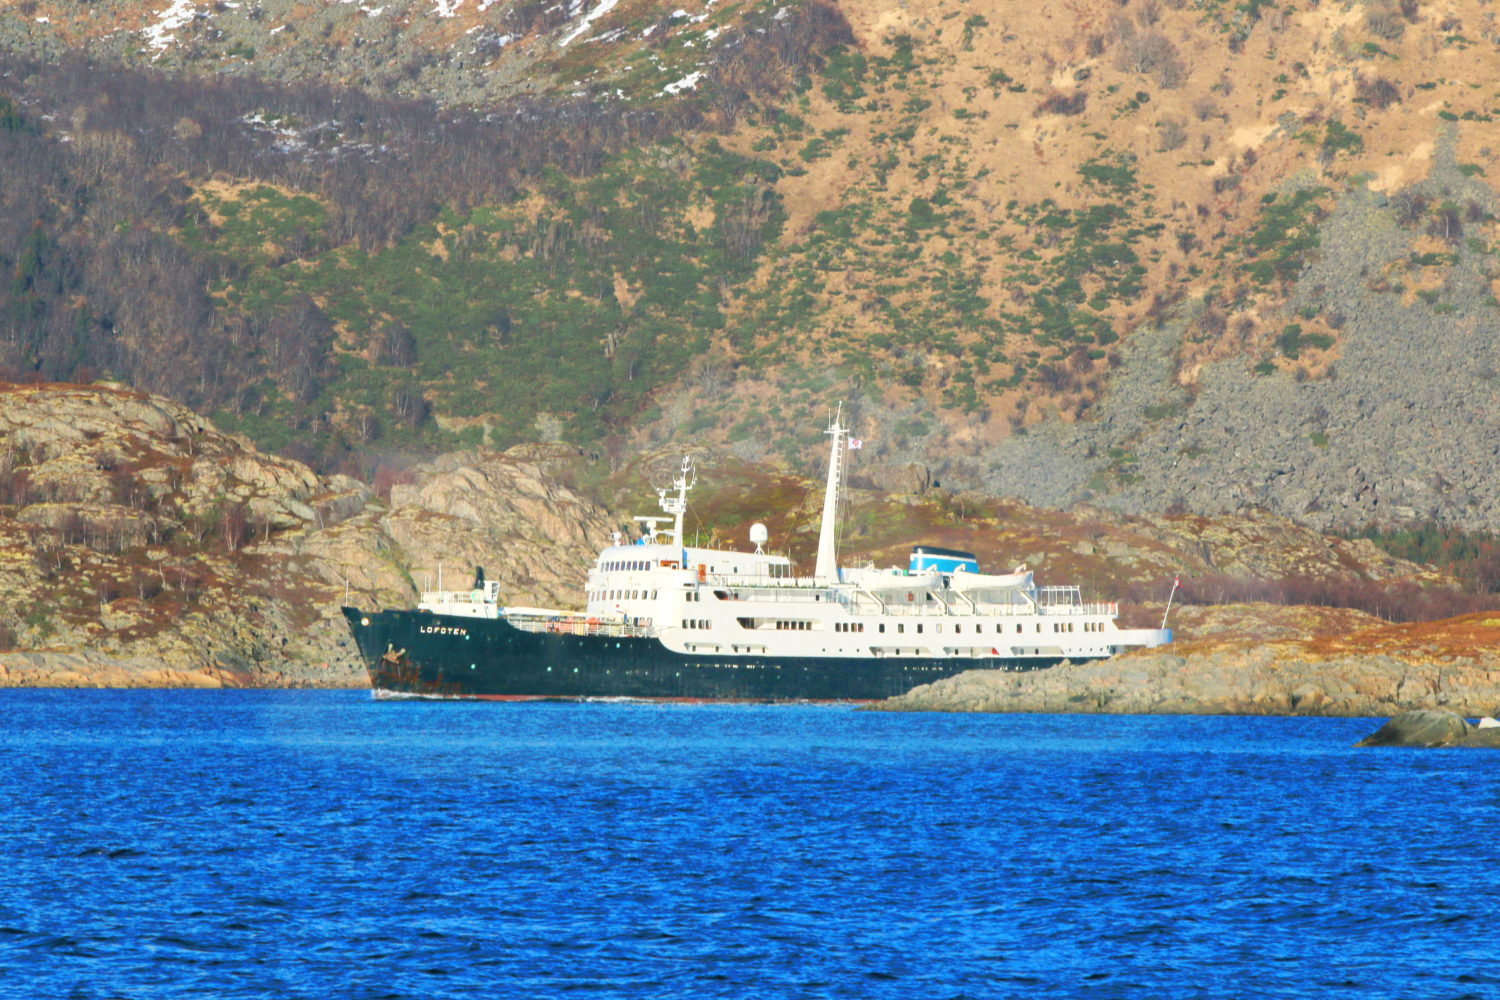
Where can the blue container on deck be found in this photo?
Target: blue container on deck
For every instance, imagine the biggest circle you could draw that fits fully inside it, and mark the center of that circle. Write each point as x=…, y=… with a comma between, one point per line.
x=925, y=557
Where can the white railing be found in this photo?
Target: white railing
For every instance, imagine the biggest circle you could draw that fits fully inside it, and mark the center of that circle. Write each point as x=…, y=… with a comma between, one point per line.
x=567, y=625
x=804, y=590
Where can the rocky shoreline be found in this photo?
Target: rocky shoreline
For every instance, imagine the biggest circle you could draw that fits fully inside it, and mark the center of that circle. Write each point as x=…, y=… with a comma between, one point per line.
x=86, y=668
x=1257, y=682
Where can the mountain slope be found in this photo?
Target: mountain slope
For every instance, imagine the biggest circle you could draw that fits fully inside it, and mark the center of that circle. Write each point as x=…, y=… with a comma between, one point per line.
x=1150, y=255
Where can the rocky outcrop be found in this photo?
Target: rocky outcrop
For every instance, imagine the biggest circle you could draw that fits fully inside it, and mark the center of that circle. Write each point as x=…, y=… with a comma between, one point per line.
x=1253, y=682
x=503, y=512
x=1381, y=670
x=1428, y=728
x=139, y=546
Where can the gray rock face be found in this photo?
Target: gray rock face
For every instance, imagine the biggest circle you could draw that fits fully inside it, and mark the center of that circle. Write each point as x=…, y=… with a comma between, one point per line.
x=1405, y=426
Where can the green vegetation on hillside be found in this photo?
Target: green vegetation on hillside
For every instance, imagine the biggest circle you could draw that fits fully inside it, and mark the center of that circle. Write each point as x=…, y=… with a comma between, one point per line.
x=572, y=303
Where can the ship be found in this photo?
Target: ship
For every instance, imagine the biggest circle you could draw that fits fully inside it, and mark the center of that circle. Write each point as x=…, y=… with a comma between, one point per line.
x=664, y=620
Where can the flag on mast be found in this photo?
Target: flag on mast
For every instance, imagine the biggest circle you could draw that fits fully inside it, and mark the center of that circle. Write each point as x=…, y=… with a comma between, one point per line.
x=855, y=444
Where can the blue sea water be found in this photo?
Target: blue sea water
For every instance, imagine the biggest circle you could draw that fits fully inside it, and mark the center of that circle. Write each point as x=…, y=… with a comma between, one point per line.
x=325, y=845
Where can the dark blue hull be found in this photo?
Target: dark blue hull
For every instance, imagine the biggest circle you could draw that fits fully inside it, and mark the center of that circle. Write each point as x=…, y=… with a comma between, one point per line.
x=424, y=654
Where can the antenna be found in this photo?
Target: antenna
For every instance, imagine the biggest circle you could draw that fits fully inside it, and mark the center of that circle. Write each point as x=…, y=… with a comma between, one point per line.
x=1175, y=581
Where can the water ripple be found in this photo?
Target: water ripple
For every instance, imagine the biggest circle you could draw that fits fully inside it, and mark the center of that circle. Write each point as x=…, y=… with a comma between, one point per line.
x=243, y=844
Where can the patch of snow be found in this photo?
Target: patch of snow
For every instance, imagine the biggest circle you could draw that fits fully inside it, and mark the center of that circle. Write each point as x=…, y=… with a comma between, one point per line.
x=649, y=28
x=781, y=14
x=711, y=34
x=44, y=20
x=608, y=36
x=279, y=27
x=605, y=6
x=288, y=141
x=372, y=11
x=446, y=8
x=689, y=82
x=159, y=35
x=485, y=5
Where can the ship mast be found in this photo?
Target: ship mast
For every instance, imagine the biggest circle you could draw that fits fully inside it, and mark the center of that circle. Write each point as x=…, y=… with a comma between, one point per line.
x=827, y=569
x=677, y=505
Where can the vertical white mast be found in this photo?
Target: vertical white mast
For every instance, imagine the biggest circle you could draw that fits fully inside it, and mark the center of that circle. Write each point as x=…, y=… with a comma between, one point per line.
x=827, y=569
x=677, y=506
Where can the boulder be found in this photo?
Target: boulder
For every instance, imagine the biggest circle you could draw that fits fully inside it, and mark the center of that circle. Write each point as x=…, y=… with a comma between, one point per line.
x=1420, y=728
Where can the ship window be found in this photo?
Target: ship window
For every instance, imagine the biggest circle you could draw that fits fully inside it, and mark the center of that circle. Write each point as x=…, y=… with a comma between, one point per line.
x=919, y=630
x=1018, y=626
x=900, y=628
x=882, y=626
x=957, y=629
x=653, y=595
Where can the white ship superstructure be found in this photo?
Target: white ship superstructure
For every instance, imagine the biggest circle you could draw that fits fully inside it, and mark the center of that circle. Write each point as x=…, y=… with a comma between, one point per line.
x=750, y=606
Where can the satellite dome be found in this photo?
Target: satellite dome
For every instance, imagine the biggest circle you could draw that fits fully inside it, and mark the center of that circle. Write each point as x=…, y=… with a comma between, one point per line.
x=758, y=534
